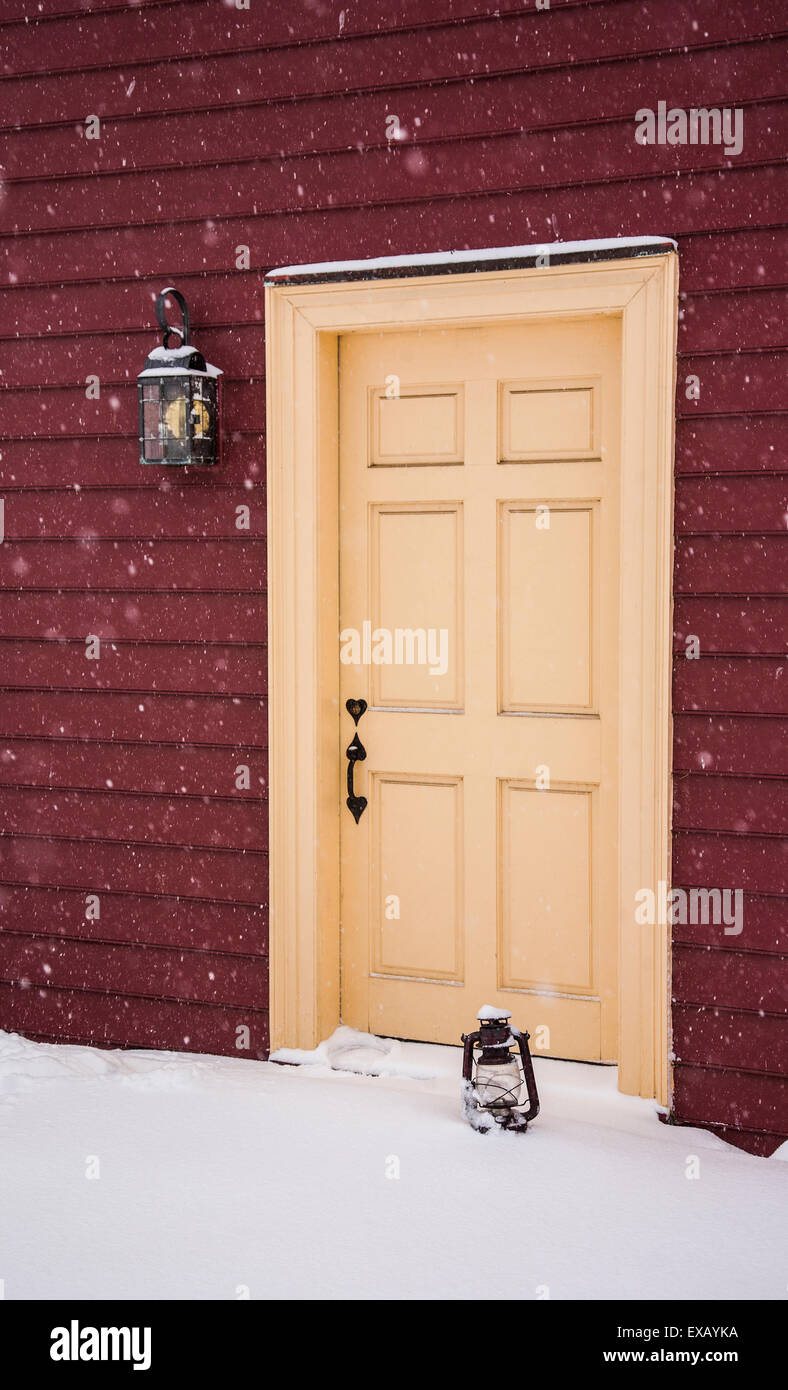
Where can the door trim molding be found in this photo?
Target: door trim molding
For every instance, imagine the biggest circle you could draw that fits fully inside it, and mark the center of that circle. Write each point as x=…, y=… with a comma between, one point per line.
x=304, y=323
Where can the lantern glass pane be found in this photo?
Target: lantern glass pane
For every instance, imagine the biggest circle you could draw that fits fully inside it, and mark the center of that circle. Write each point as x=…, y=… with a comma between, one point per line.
x=202, y=420
x=150, y=422
x=151, y=434
x=498, y=1085
x=173, y=419
x=202, y=413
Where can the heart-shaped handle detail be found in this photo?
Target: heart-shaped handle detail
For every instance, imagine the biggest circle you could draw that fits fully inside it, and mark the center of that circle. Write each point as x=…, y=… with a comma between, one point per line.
x=355, y=753
x=355, y=709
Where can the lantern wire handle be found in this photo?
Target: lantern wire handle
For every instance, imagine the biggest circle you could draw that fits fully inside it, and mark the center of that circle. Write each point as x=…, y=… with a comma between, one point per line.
x=161, y=315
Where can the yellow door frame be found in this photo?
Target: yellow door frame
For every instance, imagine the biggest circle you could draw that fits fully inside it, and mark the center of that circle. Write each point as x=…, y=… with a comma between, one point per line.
x=304, y=322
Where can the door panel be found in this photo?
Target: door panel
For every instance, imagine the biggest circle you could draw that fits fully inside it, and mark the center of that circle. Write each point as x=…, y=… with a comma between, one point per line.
x=545, y=865
x=418, y=840
x=416, y=584
x=479, y=567
x=550, y=420
x=419, y=425
x=545, y=608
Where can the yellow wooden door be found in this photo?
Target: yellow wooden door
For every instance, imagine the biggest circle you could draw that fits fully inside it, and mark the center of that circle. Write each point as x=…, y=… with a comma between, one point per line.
x=479, y=545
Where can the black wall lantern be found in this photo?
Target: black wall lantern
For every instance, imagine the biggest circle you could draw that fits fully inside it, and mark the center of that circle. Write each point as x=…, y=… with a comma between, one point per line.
x=179, y=398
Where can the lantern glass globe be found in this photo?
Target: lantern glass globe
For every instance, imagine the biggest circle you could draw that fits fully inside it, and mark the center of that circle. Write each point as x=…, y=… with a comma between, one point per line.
x=498, y=1085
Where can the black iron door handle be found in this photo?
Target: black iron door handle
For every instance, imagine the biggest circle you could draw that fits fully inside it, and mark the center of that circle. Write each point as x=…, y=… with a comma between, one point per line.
x=355, y=753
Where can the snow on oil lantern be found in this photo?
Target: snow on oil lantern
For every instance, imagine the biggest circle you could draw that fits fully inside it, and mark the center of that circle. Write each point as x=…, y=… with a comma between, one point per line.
x=497, y=1074
x=178, y=398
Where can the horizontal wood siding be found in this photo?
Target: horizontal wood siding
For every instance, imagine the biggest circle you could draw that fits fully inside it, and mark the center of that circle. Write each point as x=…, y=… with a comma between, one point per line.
x=266, y=128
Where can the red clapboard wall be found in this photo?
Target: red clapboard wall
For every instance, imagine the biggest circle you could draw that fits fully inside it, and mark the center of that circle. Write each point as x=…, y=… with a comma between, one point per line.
x=266, y=128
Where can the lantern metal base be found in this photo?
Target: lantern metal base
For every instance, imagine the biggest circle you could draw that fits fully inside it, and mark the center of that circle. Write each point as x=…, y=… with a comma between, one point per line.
x=179, y=463
x=483, y=1122
x=515, y=1120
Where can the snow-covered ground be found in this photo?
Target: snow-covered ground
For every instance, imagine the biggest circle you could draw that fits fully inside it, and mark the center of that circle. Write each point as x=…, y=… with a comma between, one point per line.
x=221, y=1179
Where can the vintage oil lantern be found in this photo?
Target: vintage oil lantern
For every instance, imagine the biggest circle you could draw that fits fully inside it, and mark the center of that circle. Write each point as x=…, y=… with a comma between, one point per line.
x=178, y=398
x=494, y=1076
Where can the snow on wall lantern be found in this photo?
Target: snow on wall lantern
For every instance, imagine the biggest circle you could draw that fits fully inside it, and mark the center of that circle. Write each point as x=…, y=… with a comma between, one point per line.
x=494, y=1078
x=178, y=398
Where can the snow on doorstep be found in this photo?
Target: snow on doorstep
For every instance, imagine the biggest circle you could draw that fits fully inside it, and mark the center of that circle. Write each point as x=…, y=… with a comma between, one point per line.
x=554, y=249
x=140, y=1174
x=363, y=1053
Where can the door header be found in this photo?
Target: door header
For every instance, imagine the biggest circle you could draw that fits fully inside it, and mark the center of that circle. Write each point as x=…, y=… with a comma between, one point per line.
x=485, y=258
